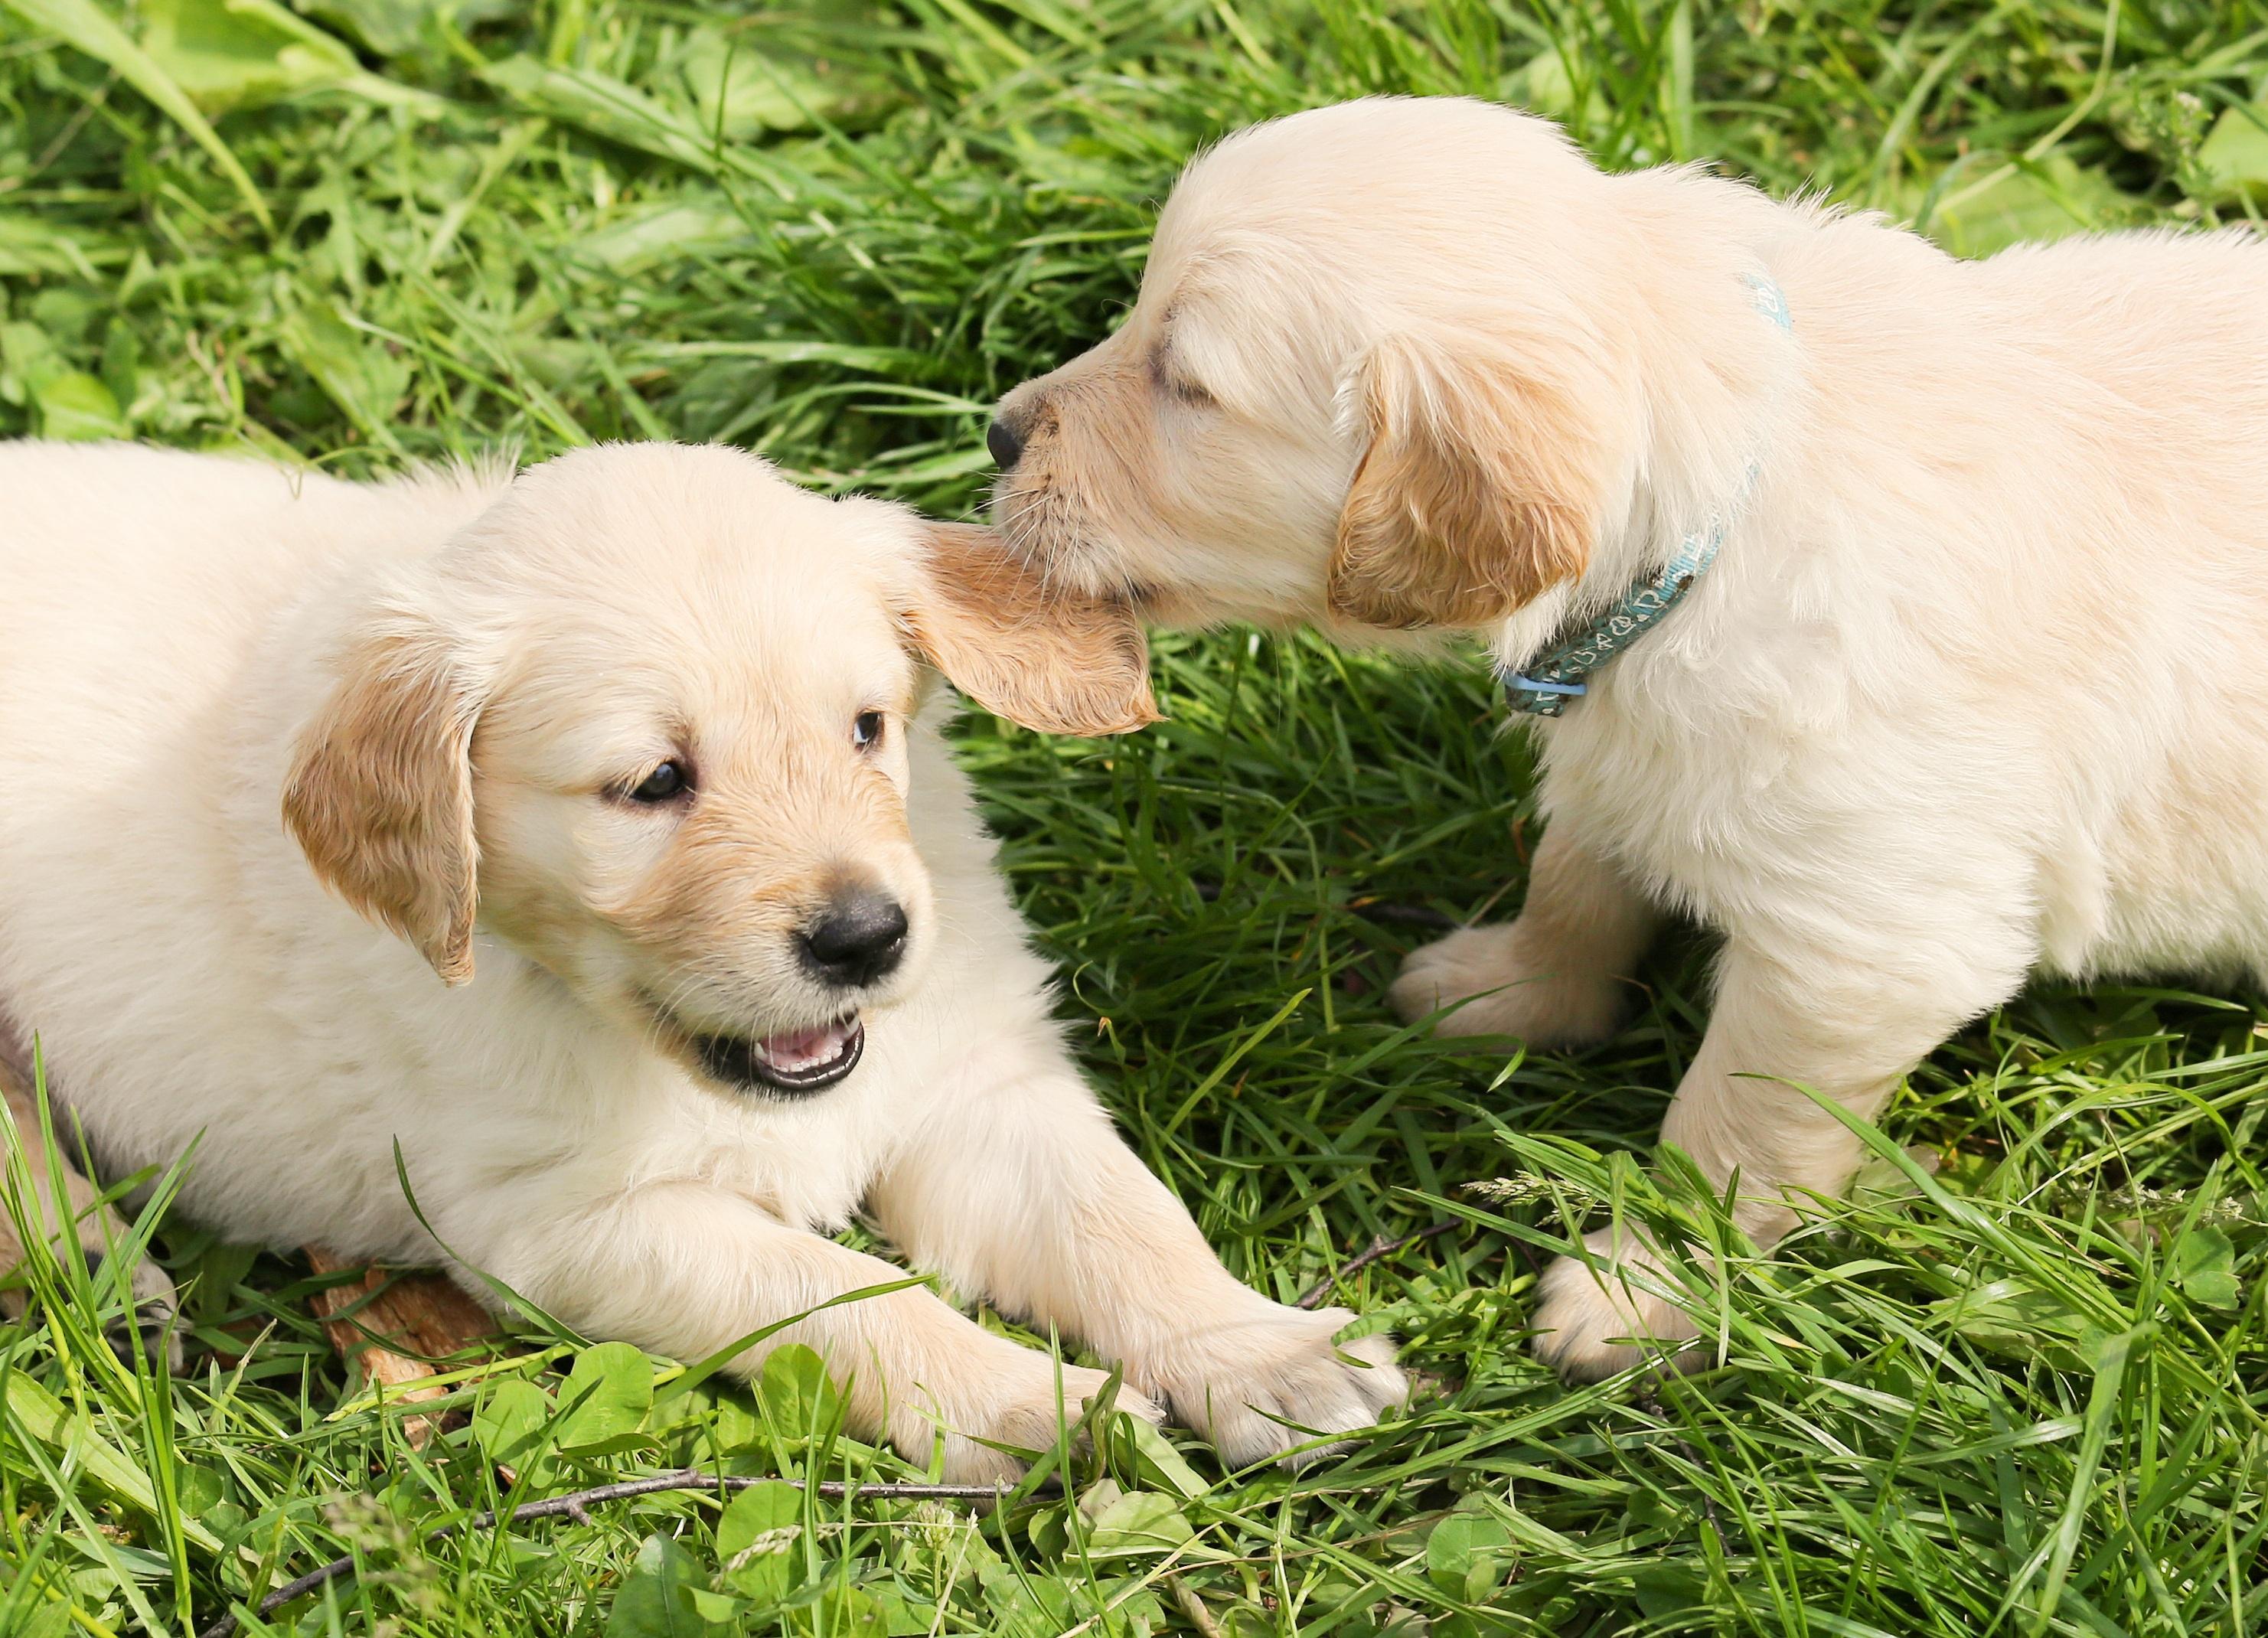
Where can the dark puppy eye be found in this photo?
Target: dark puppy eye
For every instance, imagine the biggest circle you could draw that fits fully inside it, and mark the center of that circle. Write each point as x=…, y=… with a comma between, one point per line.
x=1170, y=381
x=866, y=729
x=666, y=781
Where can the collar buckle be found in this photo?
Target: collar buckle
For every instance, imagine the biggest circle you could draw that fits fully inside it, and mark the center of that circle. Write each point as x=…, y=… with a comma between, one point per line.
x=1539, y=697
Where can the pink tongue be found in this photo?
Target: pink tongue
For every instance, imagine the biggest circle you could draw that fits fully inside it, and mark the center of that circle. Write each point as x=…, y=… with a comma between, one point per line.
x=805, y=1049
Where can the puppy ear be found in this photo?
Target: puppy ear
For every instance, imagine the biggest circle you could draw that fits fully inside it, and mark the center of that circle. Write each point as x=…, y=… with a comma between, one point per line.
x=1052, y=659
x=379, y=795
x=1482, y=487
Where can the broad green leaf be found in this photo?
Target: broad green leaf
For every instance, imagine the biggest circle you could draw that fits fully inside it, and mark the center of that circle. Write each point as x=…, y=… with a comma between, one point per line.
x=355, y=371
x=512, y=1422
x=2203, y=1262
x=1667, y=1591
x=78, y=406
x=122, y=362
x=649, y=236
x=1466, y=1553
x=231, y=54
x=1014, y=1601
x=1543, y=86
x=1462, y=1625
x=657, y=1597
x=607, y=1394
x=76, y=1444
x=2233, y=159
x=48, y=1621
x=2048, y=200
x=903, y=1617
x=86, y=26
x=755, y=1534
x=744, y=92
x=33, y=244
x=2017, y=1322
x=1156, y=1464
x=199, y=1490
x=719, y=1609
x=28, y=361
x=608, y=108
x=850, y=1612
x=1141, y=1525
x=797, y=1399
x=387, y=27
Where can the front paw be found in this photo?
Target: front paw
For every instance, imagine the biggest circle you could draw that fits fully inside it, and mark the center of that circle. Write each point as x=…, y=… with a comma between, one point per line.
x=146, y=1330
x=1600, y=1317
x=1505, y=989
x=1023, y=1405
x=1268, y=1383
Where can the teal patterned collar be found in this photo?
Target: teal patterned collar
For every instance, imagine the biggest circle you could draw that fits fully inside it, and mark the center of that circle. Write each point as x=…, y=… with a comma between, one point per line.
x=1547, y=682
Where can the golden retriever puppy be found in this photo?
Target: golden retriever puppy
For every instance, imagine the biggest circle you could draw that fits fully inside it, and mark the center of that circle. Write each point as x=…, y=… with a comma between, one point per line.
x=586, y=836
x=1899, y=617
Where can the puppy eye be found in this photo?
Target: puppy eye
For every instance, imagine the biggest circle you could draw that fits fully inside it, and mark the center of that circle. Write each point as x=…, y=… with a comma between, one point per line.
x=1175, y=385
x=666, y=781
x=866, y=729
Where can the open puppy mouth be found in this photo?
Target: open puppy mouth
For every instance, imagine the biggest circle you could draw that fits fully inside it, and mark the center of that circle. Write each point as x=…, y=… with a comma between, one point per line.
x=792, y=1062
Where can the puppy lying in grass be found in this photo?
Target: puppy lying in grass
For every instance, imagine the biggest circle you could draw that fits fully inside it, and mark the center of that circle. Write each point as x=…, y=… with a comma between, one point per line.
x=587, y=836
x=1900, y=618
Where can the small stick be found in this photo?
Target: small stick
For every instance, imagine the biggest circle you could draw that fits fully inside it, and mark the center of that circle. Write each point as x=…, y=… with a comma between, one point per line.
x=1388, y=914
x=572, y=1507
x=1378, y=1248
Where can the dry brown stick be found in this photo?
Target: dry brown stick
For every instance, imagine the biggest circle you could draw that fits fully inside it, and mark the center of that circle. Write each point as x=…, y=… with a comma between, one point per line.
x=1377, y=1248
x=423, y=1313
x=572, y=1505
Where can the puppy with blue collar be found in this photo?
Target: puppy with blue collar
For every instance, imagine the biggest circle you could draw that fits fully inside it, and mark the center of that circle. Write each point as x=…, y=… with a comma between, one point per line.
x=1897, y=617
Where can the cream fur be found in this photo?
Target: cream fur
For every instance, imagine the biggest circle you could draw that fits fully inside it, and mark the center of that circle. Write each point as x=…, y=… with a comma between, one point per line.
x=1977, y=688
x=179, y=623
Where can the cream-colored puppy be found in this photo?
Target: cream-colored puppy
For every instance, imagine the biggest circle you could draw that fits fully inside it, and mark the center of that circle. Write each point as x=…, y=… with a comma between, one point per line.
x=1975, y=686
x=700, y=947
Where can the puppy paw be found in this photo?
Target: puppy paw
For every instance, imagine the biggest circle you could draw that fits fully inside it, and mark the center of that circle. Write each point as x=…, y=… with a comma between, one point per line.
x=993, y=1441
x=1505, y=991
x=1267, y=1384
x=146, y=1330
x=1595, y=1321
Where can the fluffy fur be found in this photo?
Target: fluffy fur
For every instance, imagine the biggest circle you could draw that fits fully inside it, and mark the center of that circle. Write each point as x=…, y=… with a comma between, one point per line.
x=260, y=724
x=1975, y=688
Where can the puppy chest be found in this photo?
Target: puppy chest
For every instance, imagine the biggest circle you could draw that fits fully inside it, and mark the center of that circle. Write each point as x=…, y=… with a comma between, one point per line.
x=810, y=1168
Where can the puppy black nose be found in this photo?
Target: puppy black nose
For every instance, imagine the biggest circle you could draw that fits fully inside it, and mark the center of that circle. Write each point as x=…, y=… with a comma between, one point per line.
x=858, y=938
x=1006, y=447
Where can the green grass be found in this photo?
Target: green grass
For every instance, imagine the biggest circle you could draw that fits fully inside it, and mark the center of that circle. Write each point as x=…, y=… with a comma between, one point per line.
x=2026, y=1395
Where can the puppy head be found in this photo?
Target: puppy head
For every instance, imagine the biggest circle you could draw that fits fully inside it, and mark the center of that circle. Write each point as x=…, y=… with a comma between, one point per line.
x=647, y=721
x=1385, y=372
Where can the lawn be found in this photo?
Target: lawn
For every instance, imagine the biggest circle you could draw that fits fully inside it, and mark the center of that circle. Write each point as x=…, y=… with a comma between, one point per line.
x=2021, y=1388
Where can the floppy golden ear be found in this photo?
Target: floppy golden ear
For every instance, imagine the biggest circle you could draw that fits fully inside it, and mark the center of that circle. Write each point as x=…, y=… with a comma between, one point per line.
x=1049, y=658
x=1481, y=488
x=380, y=795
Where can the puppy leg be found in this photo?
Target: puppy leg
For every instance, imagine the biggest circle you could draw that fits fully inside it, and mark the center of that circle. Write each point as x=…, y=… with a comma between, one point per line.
x=686, y=1269
x=1553, y=977
x=93, y=1230
x=1022, y=1191
x=1845, y=1027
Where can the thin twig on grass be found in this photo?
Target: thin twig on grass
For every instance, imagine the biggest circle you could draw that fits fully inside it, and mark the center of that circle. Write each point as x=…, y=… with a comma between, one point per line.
x=572, y=1505
x=1386, y=913
x=1378, y=1248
